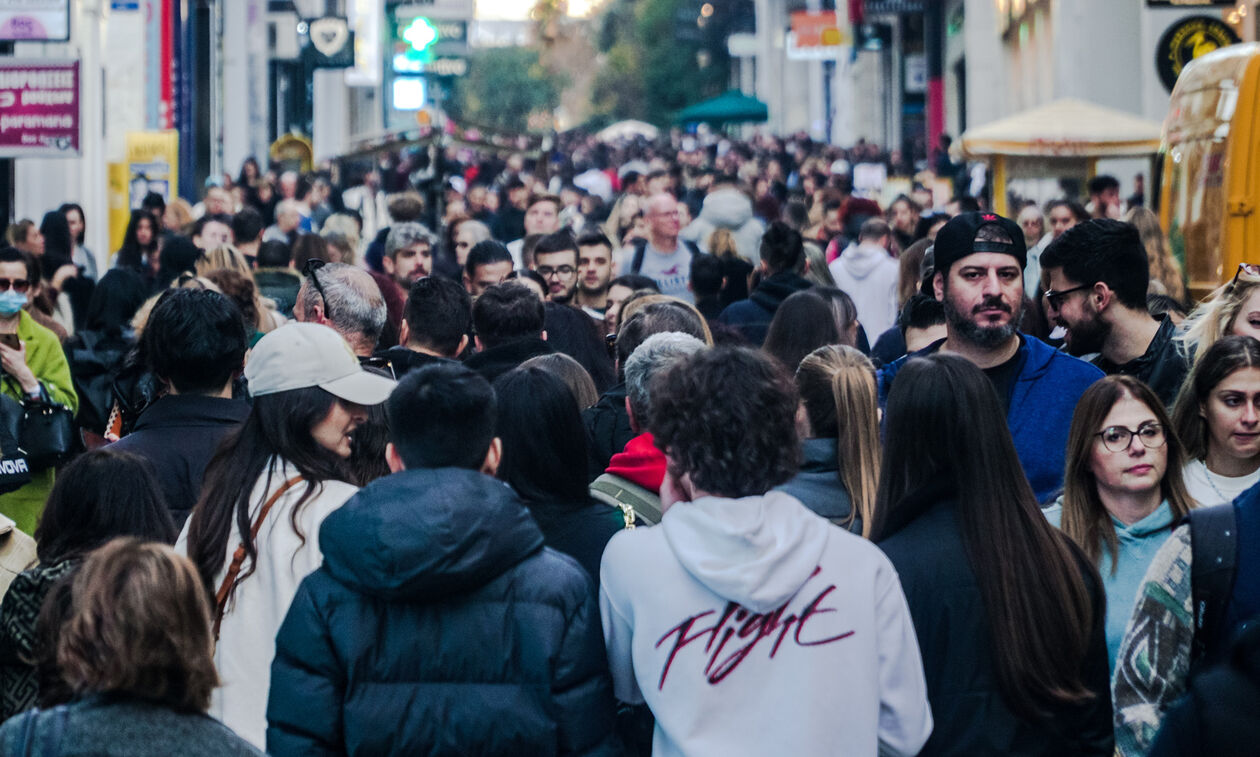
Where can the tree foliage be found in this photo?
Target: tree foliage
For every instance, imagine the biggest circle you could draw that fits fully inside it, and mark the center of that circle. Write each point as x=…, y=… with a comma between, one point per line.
x=504, y=87
x=653, y=54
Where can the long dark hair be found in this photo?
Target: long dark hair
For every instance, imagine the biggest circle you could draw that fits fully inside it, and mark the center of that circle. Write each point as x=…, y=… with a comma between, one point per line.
x=946, y=429
x=1218, y=362
x=1085, y=519
x=58, y=245
x=544, y=441
x=802, y=324
x=102, y=494
x=66, y=207
x=279, y=425
x=132, y=254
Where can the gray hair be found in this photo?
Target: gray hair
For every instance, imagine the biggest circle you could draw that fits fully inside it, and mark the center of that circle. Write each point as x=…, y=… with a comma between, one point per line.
x=352, y=302
x=480, y=232
x=657, y=353
x=404, y=235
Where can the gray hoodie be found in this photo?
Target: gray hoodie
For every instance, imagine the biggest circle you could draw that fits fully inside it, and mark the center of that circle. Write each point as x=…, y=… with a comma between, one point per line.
x=728, y=208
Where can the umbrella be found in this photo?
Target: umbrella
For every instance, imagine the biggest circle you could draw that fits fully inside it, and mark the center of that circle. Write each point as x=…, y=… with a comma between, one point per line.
x=731, y=107
x=628, y=129
x=1065, y=128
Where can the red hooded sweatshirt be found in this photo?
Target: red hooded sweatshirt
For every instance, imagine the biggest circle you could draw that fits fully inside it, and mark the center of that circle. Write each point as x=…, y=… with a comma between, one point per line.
x=640, y=463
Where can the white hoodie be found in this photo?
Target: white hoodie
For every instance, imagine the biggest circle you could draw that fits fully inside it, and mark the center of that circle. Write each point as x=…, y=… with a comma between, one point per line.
x=753, y=626
x=869, y=275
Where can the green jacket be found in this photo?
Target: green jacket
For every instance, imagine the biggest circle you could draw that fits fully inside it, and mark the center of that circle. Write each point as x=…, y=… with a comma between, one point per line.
x=48, y=362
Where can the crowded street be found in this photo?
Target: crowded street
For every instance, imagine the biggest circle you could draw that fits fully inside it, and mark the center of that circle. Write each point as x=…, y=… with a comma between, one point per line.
x=629, y=377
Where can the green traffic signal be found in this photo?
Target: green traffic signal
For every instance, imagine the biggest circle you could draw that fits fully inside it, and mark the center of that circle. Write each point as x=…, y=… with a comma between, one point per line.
x=420, y=34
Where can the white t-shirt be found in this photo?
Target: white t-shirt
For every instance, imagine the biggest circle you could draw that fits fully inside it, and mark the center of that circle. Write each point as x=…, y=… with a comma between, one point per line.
x=1208, y=488
x=247, y=635
x=671, y=271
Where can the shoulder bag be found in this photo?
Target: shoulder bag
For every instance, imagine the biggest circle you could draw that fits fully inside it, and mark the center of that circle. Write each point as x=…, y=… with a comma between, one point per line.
x=238, y=557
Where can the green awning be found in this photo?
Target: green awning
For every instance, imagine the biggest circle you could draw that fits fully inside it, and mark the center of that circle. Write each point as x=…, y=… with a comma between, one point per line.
x=731, y=107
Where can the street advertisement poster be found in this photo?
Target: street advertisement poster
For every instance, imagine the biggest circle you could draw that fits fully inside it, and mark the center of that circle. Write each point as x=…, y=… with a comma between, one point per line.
x=39, y=108
x=152, y=164
x=35, y=20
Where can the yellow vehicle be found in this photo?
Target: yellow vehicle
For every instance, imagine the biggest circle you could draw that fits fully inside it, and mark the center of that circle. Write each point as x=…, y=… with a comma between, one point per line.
x=1209, y=182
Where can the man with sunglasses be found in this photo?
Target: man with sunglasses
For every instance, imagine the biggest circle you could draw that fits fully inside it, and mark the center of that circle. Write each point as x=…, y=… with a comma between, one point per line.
x=35, y=370
x=1099, y=276
x=979, y=261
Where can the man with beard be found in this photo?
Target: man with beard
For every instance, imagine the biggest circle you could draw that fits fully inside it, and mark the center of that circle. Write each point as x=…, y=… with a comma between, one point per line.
x=979, y=262
x=556, y=260
x=1099, y=275
x=594, y=273
x=408, y=258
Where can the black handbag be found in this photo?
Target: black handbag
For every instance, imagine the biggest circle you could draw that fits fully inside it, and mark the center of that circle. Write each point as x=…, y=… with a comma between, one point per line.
x=45, y=431
x=15, y=471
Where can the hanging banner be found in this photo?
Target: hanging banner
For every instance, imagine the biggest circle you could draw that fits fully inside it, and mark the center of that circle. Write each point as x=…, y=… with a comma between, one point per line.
x=39, y=108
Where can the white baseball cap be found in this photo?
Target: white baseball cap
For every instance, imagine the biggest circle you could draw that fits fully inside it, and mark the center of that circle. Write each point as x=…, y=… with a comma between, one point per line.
x=301, y=355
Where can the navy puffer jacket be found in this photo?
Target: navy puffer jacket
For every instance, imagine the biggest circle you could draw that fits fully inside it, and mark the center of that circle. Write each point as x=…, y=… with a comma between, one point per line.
x=440, y=625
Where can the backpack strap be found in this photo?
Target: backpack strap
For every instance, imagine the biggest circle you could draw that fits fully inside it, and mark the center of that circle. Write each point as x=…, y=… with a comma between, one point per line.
x=238, y=557
x=640, y=251
x=632, y=499
x=1214, y=550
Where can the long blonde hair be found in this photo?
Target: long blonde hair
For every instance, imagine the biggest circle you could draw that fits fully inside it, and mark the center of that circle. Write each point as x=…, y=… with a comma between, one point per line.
x=837, y=384
x=1214, y=317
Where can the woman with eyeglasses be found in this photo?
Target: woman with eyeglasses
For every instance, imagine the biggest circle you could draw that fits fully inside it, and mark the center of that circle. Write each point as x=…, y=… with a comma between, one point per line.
x=1122, y=489
x=1234, y=309
x=1217, y=417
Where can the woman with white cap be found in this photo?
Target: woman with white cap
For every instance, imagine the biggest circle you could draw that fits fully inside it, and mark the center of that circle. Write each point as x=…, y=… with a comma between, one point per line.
x=254, y=534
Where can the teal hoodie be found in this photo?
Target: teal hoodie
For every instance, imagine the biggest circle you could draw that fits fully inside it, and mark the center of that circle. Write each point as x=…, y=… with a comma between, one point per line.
x=1138, y=544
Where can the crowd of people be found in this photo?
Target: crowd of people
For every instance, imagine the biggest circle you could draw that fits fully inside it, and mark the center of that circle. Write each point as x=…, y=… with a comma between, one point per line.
x=656, y=448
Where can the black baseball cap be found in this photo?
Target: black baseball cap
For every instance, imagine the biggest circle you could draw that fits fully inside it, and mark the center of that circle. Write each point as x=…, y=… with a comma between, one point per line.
x=957, y=239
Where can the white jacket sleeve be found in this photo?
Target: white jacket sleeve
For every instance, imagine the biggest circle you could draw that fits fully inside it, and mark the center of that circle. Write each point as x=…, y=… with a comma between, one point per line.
x=905, y=717
x=618, y=631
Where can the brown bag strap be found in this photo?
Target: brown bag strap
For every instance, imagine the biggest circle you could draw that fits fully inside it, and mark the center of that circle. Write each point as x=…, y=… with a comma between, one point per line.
x=238, y=558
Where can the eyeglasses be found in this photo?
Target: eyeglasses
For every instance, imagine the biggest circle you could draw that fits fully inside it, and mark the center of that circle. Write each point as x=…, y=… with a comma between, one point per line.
x=1251, y=270
x=547, y=271
x=1118, y=438
x=308, y=269
x=19, y=285
x=1056, y=297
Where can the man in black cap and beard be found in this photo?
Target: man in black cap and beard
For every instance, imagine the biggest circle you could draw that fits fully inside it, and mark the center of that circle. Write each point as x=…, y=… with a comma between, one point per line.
x=979, y=266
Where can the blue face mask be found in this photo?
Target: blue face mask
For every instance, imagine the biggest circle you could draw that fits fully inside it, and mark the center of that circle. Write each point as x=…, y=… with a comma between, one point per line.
x=11, y=302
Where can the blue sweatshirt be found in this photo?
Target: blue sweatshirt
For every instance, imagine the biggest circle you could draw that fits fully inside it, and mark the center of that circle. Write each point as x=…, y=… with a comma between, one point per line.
x=1138, y=545
x=1042, y=401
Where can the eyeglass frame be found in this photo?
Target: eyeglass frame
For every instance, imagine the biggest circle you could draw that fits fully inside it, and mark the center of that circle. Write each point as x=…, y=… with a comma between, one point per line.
x=555, y=271
x=1055, y=298
x=308, y=269
x=1249, y=268
x=1163, y=433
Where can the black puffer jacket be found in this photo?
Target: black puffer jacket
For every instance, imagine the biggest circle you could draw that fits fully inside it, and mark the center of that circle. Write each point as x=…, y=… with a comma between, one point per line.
x=440, y=625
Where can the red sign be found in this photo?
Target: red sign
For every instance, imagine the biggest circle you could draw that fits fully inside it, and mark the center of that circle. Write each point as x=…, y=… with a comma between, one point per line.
x=39, y=108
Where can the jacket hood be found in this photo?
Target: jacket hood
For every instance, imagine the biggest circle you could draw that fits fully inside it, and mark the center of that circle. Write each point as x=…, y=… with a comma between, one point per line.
x=1160, y=519
x=640, y=463
x=757, y=551
x=773, y=290
x=727, y=208
x=427, y=534
x=859, y=260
